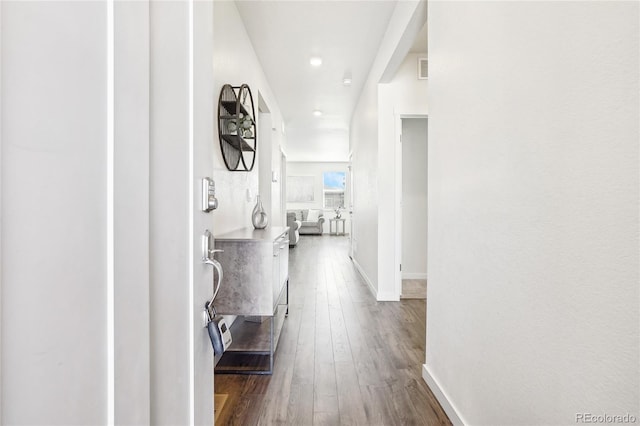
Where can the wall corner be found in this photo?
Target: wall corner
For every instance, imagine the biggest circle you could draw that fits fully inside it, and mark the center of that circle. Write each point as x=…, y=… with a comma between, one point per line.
x=442, y=397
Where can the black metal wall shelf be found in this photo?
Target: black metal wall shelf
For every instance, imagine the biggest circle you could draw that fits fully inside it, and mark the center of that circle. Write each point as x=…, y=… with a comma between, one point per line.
x=238, y=143
x=237, y=128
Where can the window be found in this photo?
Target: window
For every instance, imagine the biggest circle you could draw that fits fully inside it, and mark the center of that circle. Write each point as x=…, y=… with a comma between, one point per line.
x=334, y=184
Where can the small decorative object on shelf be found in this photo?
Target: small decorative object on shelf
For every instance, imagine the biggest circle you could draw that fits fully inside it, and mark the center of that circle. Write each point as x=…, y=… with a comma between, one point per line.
x=259, y=216
x=236, y=127
x=244, y=121
x=338, y=213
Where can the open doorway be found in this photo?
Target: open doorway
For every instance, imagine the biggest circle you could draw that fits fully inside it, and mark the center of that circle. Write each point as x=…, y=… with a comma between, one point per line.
x=322, y=190
x=413, y=208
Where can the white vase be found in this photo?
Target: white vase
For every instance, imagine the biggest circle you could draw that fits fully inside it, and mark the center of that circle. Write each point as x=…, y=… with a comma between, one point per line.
x=259, y=216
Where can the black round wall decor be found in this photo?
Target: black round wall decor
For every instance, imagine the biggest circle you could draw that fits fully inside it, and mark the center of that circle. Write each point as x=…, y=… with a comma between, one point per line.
x=237, y=128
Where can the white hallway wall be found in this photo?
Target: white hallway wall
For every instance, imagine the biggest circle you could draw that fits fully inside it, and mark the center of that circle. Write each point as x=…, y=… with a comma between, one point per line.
x=371, y=143
x=403, y=95
x=315, y=169
x=235, y=62
x=533, y=304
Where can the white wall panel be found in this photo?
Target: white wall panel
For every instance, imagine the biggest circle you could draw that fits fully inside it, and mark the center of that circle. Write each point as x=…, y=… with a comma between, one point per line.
x=533, y=299
x=235, y=63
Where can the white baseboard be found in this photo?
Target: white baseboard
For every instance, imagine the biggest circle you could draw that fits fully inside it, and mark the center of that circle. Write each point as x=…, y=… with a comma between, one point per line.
x=365, y=277
x=414, y=275
x=387, y=296
x=442, y=397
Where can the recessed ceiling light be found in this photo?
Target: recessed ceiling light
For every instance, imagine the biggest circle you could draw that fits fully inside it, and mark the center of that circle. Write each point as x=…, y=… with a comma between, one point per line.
x=346, y=80
x=317, y=113
x=315, y=61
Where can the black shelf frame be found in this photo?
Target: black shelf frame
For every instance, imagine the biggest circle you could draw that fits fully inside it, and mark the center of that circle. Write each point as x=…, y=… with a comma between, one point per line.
x=257, y=340
x=238, y=151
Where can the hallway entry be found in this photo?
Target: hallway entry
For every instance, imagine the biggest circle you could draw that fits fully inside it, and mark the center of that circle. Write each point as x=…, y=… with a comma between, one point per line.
x=413, y=208
x=343, y=358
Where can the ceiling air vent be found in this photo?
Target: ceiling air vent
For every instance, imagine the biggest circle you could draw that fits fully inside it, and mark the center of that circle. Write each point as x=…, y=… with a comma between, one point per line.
x=423, y=69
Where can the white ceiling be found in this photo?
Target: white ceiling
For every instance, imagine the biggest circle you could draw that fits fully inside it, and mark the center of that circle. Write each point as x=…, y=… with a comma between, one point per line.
x=346, y=35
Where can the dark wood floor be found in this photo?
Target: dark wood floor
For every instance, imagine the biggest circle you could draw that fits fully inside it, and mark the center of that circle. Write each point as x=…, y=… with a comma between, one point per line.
x=343, y=358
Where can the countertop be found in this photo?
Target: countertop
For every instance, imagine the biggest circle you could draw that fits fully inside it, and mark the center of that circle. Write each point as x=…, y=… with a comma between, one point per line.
x=270, y=233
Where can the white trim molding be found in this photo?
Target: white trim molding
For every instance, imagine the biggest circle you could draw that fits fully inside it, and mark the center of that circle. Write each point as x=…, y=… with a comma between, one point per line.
x=442, y=397
x=387, y=296
x=191, y=256
x=365, y=278
x=0, y=205
x=110, y=217
x=414, y=275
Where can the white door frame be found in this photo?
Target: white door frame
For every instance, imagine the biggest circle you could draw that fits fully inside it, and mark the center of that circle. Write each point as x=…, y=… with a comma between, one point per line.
x=182, y=107
x=351, y=204
x=398, y=198
x=0, y=211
